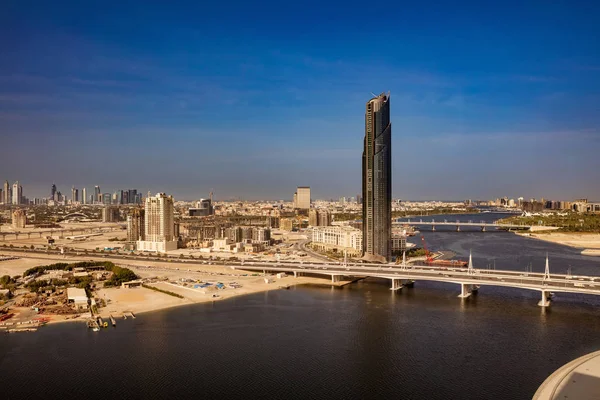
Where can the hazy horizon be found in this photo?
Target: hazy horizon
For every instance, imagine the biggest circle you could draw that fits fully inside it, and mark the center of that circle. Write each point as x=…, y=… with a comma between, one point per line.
x=485, y=102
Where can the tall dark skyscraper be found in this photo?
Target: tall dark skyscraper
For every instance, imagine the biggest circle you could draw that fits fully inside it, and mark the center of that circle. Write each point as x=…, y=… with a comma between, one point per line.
x=377, y=179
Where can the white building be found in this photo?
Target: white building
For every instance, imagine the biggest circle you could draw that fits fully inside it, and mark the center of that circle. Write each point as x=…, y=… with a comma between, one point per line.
x=338, y=238
x=77, y=297
x=17, y=193
x=159, y=226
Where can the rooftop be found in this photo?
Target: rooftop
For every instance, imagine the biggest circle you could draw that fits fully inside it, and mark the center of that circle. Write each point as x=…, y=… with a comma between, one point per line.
x=76, y=294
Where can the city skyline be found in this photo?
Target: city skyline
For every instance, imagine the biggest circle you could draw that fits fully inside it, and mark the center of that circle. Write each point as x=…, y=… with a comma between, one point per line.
x=464, y=101
x=82, y=191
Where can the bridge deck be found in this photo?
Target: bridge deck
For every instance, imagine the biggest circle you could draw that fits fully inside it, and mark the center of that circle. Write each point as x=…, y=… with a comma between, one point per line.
x=529, y=281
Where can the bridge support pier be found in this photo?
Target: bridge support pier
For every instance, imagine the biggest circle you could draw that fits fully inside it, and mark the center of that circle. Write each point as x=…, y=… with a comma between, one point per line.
x=545, y=302
x=465, y=290
x=433, y=228
x=335, y=278
x=396, y=284
x=457, y=228
x=483, y=229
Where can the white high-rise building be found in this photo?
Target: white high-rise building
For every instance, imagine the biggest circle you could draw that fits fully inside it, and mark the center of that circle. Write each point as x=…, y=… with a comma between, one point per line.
x=159, y=225
x=83, y=196
x=17, y=193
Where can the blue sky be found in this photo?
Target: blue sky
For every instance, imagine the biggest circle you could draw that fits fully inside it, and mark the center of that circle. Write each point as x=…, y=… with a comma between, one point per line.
x=253, y=99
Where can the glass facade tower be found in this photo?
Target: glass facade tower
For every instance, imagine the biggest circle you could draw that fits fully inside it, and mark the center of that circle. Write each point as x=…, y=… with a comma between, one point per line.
x=377, y=179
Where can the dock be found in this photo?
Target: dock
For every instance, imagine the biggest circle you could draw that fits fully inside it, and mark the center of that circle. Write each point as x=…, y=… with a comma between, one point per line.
x=112, y=320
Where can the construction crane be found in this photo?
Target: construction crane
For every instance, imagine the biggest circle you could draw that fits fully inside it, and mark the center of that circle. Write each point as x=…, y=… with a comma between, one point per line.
x=427, y=254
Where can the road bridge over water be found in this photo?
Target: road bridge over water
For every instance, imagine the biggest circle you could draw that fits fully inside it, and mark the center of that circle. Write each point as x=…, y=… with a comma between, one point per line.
x=469, y=278
x=481, y=224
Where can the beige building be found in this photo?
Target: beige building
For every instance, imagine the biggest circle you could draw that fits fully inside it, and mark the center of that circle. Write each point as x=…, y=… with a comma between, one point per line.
x=313, y=218
x=110, y=214
x=338, y=238
x=319, y=217
x=6, y=197
x=135, y=225
x=19, y=219
x=302, y=198
x=286, y=224
x=159, y=227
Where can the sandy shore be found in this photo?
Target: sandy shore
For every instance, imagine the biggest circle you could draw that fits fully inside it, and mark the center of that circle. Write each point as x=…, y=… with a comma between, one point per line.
x=588, y=242
x=139, y=300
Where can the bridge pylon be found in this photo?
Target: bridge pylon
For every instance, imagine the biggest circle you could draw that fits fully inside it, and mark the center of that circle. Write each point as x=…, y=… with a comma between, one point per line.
x=547, y=269
x=470, y=269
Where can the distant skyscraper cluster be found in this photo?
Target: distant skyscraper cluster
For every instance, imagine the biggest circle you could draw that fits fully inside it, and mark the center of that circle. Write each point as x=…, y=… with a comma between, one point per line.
x=377, y=179
x=13, y=194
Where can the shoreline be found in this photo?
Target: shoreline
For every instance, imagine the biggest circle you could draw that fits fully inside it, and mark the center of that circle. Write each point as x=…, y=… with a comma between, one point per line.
x=587, y=242
x=173, y=277
x=189, y=302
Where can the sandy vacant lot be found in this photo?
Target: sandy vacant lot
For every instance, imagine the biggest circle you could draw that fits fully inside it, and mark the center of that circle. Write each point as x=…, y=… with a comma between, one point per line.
x=17, y=267
x=135, y=300
x=588, y=241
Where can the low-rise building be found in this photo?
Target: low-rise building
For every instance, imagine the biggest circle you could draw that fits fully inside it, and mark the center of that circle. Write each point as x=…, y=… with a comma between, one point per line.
x=223, y=244
x=338, y=238
x=77, y=297
x=130, y=284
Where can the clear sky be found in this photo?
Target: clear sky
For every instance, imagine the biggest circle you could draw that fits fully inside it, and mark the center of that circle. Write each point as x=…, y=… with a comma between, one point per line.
x=252, y=99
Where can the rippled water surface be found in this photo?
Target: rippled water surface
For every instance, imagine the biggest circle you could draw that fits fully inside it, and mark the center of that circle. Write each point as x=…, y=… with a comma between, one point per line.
x=360, y=341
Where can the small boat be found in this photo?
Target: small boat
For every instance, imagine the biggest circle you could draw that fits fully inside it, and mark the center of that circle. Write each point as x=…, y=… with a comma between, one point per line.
x=95, y=329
